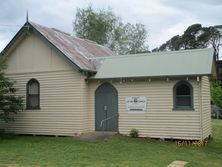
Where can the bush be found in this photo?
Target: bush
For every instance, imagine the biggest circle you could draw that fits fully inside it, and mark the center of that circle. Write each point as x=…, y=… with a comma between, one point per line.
x=216, y=94
x=2, y=133
x=5, y=135
x=134, y=133
x=10, y=101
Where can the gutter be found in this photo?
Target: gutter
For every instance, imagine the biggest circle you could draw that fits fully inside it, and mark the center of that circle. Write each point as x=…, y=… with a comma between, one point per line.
x=150, y=77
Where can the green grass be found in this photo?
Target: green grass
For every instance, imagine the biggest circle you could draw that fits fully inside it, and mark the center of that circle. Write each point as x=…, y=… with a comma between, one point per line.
x=118, y=151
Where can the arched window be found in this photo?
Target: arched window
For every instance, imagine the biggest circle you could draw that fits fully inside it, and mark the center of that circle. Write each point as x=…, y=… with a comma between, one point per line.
x=33, y=94
x=183, y=95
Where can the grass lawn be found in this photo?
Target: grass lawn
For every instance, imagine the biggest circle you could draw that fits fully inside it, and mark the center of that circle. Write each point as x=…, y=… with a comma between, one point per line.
x=119, y=151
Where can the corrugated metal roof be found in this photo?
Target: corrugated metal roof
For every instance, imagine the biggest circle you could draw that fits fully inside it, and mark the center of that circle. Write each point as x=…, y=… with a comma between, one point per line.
x=79, y=51
x=175, y=63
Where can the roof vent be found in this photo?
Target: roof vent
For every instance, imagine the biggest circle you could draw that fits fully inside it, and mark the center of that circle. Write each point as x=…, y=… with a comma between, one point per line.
x=61, y=31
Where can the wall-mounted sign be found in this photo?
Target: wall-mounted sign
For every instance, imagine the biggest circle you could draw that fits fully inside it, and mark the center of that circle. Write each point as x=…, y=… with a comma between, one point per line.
x=136, y=103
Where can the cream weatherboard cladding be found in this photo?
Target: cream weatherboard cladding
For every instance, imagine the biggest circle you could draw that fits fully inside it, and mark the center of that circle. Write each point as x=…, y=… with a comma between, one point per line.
x=61, y=90
x=205, y=102
x=159, y=120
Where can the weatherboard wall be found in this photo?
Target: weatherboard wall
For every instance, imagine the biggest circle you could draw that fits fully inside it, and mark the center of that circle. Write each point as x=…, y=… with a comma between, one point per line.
x=205, y=100
x=159, y=120
x=62, y=90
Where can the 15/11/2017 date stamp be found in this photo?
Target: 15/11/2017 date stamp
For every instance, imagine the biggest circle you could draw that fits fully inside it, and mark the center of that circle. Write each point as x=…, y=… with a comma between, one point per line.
x=191, y=143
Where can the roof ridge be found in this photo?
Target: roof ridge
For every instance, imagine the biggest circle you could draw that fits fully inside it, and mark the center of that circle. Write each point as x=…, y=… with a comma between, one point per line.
x=185, y=50
x=89, y=41
x=68, y=34
x=162, y=53
x=53, y=29
x=60, y=31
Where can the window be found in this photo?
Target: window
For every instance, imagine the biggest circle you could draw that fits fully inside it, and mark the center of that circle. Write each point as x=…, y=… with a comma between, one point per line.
x=183, y=95
x=33, y=97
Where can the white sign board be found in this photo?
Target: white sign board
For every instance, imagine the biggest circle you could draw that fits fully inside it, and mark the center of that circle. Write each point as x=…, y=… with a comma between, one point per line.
x=136, y=103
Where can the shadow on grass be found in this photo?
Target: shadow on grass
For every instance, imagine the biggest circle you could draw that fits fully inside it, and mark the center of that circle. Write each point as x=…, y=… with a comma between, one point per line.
x=15, y=165
x=6, y=136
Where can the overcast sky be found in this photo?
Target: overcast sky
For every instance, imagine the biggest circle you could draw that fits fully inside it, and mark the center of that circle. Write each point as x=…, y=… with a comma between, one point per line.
x=163, y=18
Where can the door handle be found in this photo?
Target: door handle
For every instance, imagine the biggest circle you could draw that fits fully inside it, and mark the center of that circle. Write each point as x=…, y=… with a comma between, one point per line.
x=105, y=108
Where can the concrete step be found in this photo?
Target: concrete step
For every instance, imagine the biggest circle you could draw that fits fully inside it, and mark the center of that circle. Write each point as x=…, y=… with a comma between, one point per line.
x=97, y=136
x=177, y=163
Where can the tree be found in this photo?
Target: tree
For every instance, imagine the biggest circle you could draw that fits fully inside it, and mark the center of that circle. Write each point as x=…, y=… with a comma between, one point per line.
x=190, y=38
x=10, y=103
x=216, y=93
x=135, y=38
x=194, y=37
x=93, y=25
x=215, y=36
x=105, y=28
x=175, y=43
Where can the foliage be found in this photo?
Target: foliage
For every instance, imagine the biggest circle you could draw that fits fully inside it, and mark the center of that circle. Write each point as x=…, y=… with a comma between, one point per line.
x=134, y=133
x=195, y=36
x=118, y=151
x=215, y=36
x=105, y=28
x=2, y=133
x=216, y=93
x=94, y=25
x=191, y=37
x=10, y=103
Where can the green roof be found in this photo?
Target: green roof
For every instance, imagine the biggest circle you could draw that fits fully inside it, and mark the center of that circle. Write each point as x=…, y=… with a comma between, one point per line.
x=175, y=63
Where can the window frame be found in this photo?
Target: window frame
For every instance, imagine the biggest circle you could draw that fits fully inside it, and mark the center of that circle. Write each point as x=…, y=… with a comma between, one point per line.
x=28, y=107
x=175, y=106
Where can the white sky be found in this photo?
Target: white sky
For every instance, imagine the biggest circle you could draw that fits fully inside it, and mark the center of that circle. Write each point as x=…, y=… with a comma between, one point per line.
x=162, y=18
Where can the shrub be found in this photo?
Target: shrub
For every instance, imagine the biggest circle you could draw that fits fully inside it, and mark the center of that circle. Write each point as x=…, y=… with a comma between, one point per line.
x=2, y=133
x=134, y=133
x=216, y=94
x=10, y=101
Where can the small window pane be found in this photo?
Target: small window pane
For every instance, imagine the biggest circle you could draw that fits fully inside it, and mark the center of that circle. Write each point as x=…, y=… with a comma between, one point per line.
x=183, y=101
x=183, y=90
x=33, y=88
x=33, y=101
